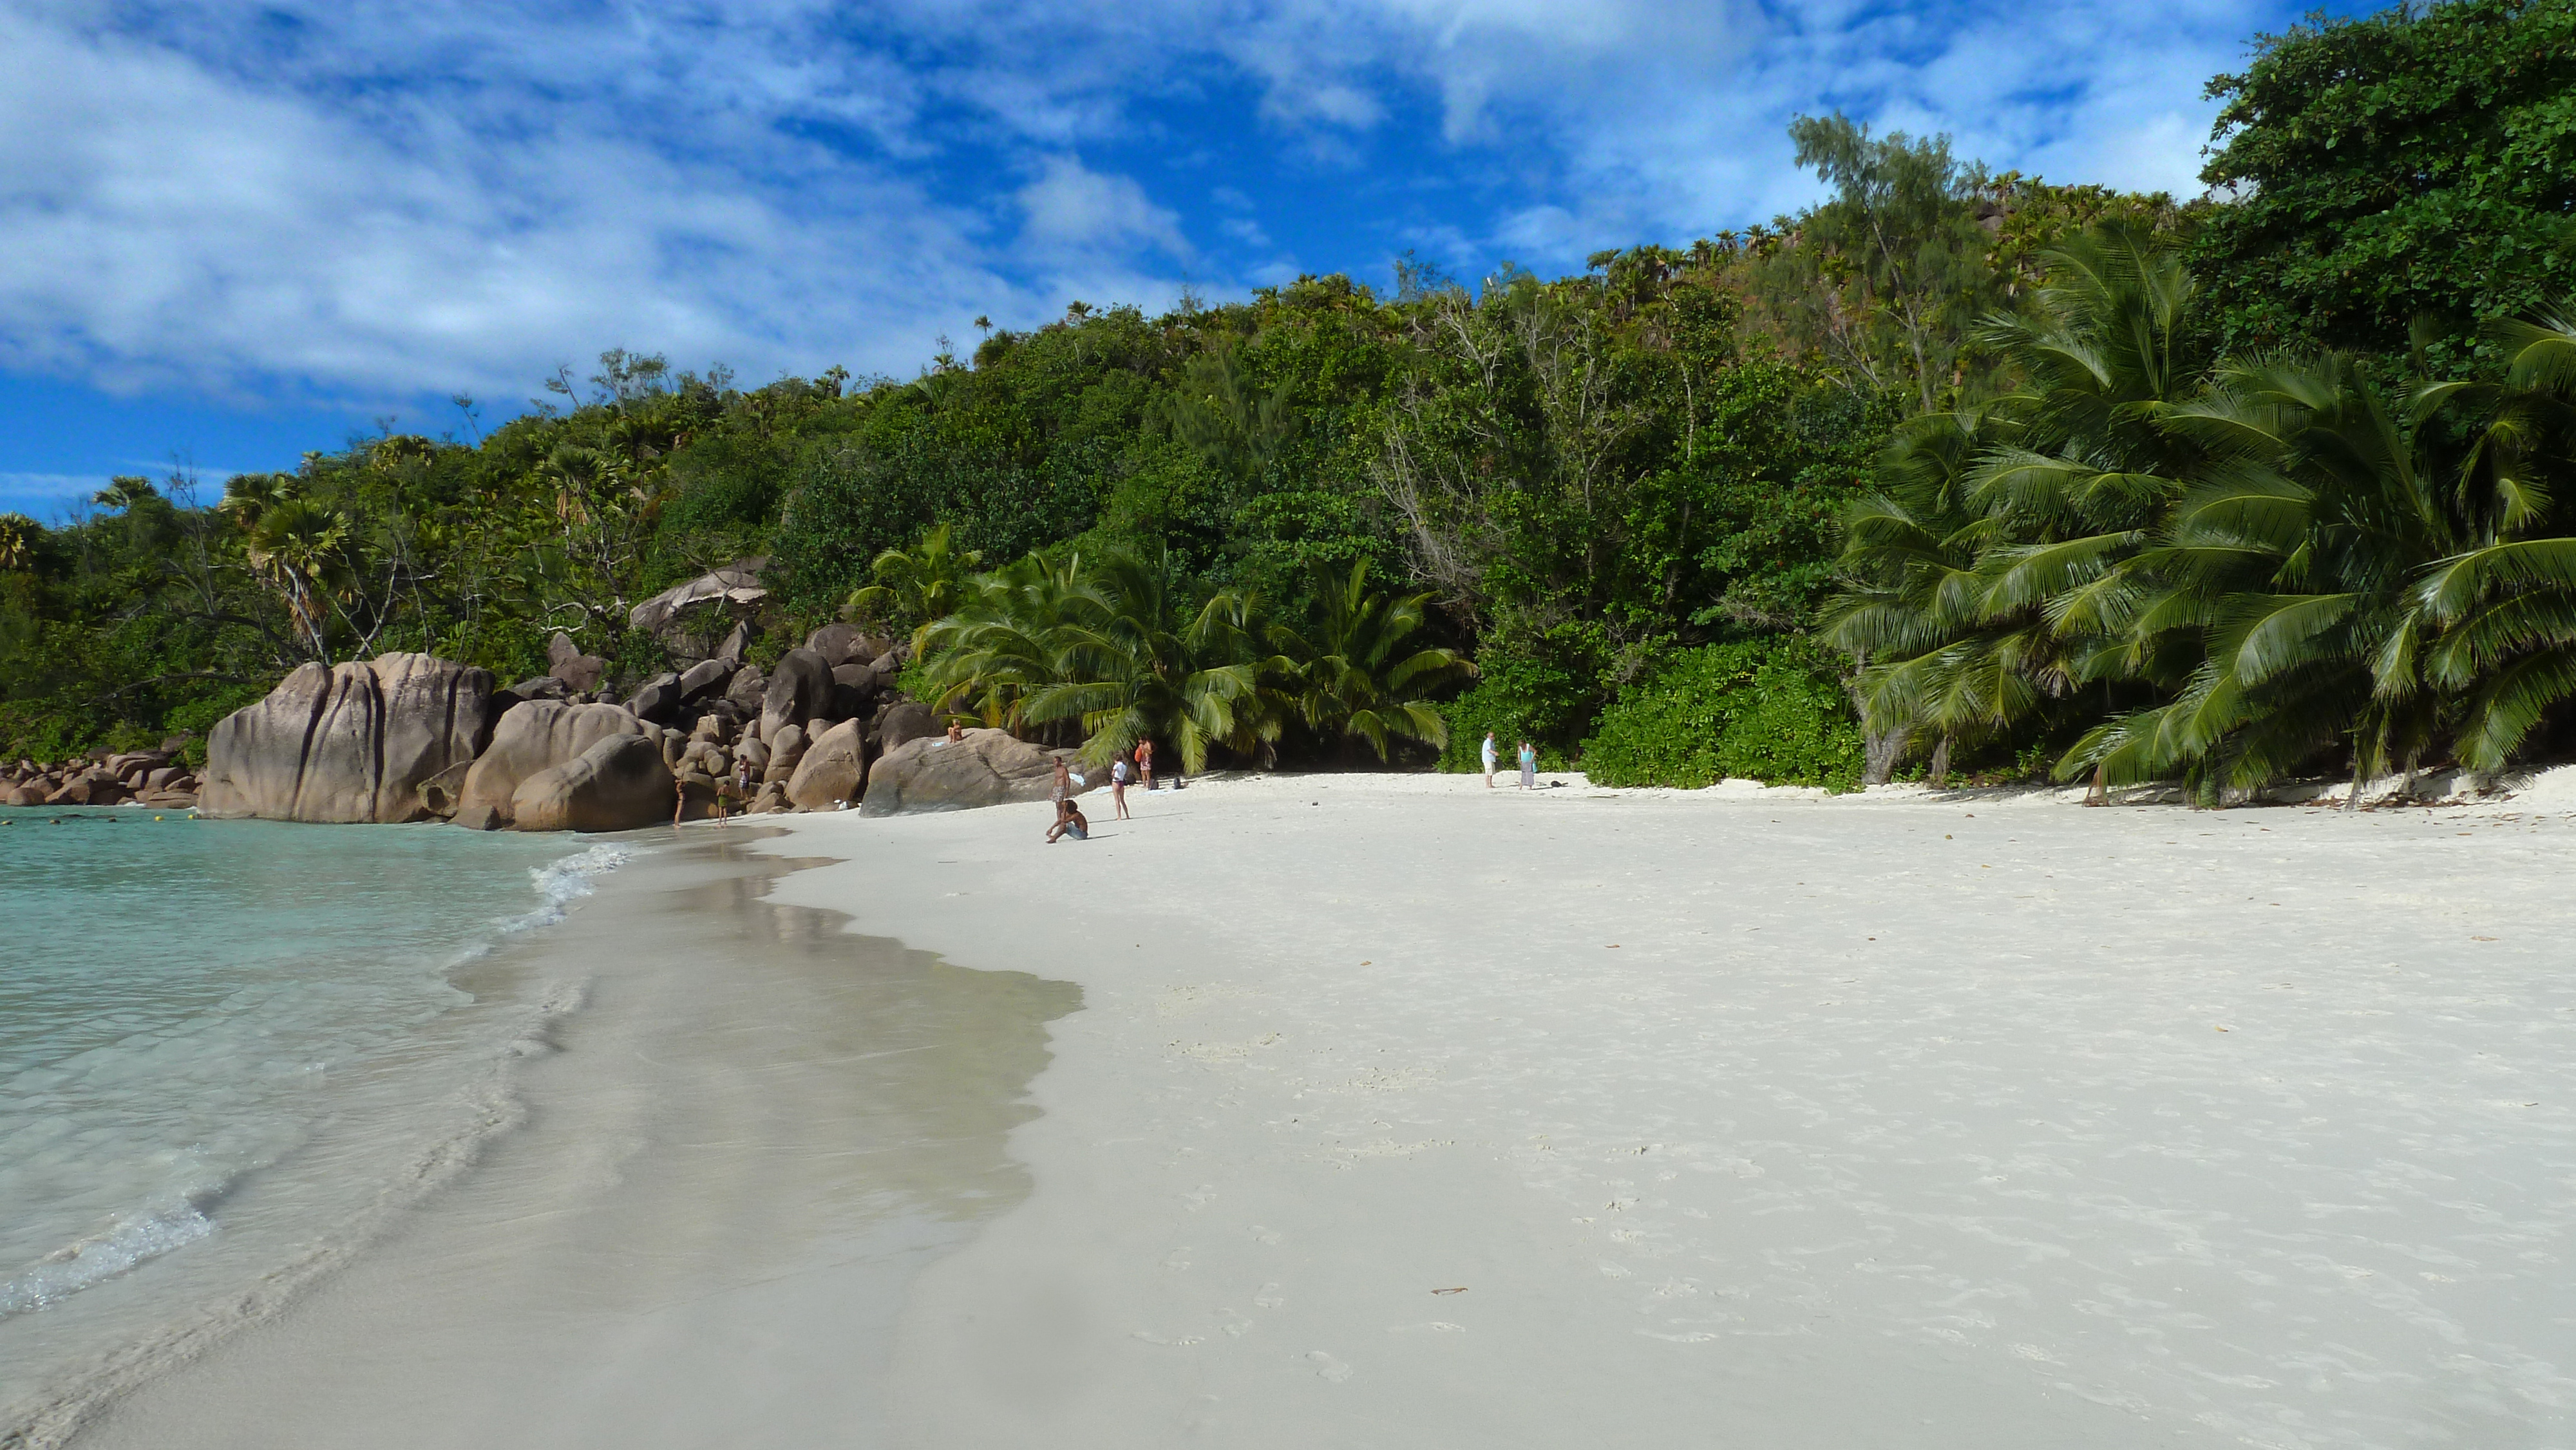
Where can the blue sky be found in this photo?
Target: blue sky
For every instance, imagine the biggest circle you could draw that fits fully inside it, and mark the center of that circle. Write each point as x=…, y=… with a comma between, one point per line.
x=232, y=232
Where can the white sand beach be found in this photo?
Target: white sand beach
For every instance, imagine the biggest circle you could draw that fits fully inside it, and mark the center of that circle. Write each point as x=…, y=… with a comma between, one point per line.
x=1387, y=1111
x=1401, y=1113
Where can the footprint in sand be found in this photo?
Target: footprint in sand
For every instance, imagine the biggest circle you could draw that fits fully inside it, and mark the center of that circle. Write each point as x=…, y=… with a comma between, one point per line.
x=1327, y=1366
x=1262, y=1235
x=1268, y=1298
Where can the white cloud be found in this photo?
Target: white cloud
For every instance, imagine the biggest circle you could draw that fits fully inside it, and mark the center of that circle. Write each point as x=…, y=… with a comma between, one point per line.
x=162, y=221
x=21, y=491
x=392, y=197
x=1074, y=209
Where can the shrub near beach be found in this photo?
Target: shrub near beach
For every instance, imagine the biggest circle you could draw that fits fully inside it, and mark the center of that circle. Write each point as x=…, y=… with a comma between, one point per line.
x=1758, y=710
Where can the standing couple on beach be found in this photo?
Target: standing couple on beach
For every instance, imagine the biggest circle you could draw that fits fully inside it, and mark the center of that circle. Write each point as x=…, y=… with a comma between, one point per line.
x=1528, y=762
x=1125, y=765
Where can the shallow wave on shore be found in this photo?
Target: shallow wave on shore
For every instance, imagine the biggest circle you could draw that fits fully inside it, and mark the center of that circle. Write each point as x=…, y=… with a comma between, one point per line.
x=561, y=883
x=76, y=1266
x=266, y=1115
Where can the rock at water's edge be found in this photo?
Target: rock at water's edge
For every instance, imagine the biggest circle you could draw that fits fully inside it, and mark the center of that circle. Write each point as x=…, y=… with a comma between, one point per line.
x=617, y=784
x=534, y=736
x=831, y=769
x=347, y=744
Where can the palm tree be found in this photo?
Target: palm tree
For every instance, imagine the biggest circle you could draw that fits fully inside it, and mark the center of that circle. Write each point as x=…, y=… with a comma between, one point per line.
x=1001, y=641
x=1109, y=646
x=295, y=546
x=249, y=495
x=2293, y=566
x=919, y=585
x=123, y=492
x=1987, y=576
x=1135, y=662
x=1351, y=675
x=18, y=536
x=2499, y=617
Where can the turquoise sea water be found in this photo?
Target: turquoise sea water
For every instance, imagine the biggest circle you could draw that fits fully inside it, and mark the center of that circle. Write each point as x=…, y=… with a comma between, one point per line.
x=224, y=1044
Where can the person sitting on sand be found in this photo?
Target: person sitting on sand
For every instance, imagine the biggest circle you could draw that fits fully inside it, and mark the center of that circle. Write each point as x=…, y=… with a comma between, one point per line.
x=1069, y=821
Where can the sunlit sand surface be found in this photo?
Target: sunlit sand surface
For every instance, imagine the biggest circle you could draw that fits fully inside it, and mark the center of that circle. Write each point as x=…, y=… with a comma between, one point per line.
x=1405, y=1113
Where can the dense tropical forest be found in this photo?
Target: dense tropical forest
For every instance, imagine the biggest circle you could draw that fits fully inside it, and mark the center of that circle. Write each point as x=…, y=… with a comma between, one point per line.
x=1953, y=472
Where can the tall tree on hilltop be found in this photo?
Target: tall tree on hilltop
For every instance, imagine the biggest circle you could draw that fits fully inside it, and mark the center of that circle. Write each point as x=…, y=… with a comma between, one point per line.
x=1889, y=274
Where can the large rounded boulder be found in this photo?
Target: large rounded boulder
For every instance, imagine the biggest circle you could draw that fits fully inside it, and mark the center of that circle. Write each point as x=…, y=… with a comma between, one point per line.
x=536, y=736
x=617, y=784
x=800, y=689
x=831, y=769
x=905, y=721
x=349, y=743
x=987, y=768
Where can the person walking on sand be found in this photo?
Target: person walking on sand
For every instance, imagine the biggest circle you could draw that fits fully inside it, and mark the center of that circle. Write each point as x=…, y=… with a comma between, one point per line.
x=1145, y=761
x=1529, y=766
x=1118, y=769
x=1061, y=792
x=1488, y=753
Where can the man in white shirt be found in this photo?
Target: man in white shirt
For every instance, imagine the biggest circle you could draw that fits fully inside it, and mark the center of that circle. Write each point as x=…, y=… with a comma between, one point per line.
x=1489, y=757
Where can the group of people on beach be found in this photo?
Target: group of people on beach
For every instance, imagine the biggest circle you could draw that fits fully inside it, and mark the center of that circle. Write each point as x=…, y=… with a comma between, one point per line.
x=733, y=789
x=1528, y=763
x=1125, y=767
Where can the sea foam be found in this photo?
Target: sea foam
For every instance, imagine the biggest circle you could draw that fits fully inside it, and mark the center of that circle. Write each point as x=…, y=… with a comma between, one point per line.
x=77, y=1266
x=562, y=882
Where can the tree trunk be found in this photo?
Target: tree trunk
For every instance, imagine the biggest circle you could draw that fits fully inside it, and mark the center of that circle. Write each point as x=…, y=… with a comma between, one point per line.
x=1941, y=763
x=1879, y=748
x=2100, y=794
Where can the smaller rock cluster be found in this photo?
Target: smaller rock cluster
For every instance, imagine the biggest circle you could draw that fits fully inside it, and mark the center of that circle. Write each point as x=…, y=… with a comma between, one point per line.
x=104, y=778
x=806, y=728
